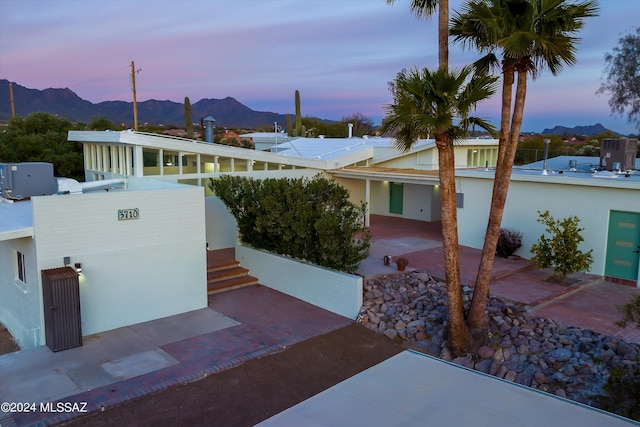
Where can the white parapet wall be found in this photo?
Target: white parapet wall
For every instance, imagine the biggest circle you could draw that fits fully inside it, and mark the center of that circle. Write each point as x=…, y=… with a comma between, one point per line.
x=334, y=291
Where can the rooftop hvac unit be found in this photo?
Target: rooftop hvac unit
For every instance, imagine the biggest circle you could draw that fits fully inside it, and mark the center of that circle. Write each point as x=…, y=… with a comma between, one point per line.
x=23, y=180
x=618, y=152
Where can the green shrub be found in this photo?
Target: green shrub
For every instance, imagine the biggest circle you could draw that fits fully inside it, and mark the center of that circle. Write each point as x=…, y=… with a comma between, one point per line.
x=307, y=219
x=561, y=250
x=622, y=392
x=630, y=313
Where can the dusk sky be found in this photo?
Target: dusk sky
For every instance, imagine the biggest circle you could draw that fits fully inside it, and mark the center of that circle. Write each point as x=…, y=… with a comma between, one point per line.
x=339, y=54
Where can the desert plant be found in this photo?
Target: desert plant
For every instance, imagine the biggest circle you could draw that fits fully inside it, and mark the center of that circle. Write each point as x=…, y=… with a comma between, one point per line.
x=402, y=263
x=561, y=250
x=298, y=130
x=622, y=392
x=623, y=385
x=509, y=241
x=188, y=117
x=307, y=219
x=630, y=313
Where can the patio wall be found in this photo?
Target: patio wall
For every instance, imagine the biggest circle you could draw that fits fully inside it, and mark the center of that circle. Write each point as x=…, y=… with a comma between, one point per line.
x=334, y=291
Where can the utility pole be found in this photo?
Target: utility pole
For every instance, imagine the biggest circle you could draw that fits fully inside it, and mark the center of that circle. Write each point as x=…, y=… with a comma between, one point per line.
x=13, y=108
x=133, y=87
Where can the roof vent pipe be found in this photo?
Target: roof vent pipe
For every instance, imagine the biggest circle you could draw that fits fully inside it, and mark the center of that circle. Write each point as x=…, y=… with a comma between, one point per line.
x=546, y=156
x=209, y=127
x=350, y=130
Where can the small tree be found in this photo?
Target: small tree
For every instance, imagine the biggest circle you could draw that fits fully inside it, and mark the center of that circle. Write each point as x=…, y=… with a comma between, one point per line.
x=101, y=123
x=622, y=79
x=561, y=250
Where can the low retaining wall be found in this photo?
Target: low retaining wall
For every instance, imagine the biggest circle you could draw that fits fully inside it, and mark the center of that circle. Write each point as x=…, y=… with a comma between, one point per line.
x=337, y=292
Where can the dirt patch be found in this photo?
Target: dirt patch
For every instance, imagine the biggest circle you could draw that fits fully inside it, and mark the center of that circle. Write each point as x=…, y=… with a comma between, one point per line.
x=258, y=389
x=562, y=281
x=7, y=343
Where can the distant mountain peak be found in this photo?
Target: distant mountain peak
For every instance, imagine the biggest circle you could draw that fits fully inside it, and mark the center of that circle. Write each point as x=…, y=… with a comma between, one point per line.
x=590, y=130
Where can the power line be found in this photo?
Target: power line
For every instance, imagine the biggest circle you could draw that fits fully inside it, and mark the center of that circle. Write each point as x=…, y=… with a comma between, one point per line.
x=99, y=77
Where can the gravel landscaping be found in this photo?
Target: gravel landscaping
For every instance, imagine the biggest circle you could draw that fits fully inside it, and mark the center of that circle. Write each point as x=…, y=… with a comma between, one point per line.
x=549, y=356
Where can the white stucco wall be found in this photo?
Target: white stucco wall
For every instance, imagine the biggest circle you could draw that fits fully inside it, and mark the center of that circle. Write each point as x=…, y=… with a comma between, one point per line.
x=20, y=303
x=334, y=291
x=222, y=228
x=419, y=202
x=563, y=197
x=132, y=271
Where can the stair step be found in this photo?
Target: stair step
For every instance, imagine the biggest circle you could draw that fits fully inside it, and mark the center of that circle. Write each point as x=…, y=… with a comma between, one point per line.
x=233, y=283
x=223, y=266
x=225, y=274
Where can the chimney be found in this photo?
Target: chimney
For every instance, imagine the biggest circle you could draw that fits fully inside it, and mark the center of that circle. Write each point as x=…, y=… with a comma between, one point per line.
x=350, y=130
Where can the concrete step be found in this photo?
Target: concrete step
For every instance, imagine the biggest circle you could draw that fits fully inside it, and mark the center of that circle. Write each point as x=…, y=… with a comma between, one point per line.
x=229, y=284
x=223, y=266
x=225, y=274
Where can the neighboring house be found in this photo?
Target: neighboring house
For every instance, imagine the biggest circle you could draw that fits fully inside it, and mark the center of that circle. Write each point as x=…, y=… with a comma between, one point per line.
x=608, y=206
x=120, y=154
x=140, y=247
x=264, y=141
x=229, y=135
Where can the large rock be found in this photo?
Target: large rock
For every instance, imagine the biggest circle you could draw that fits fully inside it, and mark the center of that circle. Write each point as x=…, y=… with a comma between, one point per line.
x=560, y=355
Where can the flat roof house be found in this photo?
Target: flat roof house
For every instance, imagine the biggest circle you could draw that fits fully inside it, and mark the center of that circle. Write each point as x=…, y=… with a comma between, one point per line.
x=399, y=184
x=139, y=260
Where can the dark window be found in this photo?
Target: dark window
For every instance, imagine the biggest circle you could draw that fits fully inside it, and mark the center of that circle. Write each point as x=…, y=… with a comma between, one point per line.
x=21, y=269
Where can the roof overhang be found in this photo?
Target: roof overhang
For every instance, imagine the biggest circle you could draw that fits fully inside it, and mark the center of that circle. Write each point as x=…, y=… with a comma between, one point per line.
x=407, y=176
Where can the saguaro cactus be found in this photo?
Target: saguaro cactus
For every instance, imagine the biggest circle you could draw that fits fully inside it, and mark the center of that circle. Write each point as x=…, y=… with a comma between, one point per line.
x=188, y=117
x=297, y=131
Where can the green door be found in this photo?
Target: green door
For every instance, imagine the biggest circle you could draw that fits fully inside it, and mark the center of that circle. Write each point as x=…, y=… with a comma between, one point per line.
x=395, y=197
x=623, y=245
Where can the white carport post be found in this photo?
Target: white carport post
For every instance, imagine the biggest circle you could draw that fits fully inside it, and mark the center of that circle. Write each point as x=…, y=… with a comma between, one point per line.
x=198, y=170
x=367, y=200
x=138, y=167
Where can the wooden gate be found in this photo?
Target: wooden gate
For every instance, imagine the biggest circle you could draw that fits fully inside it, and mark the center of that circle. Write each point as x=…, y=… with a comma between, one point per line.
x=61, y=299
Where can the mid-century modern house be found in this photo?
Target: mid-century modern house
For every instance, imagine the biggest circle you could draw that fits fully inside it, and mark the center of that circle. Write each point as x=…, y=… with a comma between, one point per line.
x=601, y=191
x=144, y=240
x=115, y=252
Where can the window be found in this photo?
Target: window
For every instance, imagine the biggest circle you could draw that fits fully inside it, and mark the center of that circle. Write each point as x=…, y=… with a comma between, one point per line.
x=20, y=268
x=480, y=157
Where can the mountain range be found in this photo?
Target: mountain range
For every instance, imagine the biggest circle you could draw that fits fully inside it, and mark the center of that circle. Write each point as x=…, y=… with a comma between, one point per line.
x=578, y=130
x=227, y=112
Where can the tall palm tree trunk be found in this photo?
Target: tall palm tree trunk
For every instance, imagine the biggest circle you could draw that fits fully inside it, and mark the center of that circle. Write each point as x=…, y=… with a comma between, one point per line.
x=477, y=318
x=443, y=33
x=458, y=334
x=477, y=313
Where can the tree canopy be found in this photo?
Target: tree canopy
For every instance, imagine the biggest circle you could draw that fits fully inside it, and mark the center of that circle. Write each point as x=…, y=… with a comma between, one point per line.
x=308, y=219
x=622, y=74
x=42, y=137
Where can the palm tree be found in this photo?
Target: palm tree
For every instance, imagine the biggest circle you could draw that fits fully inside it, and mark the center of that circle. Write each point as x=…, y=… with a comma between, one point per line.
x=426, y=103
x=531, y=35
x=446, y=167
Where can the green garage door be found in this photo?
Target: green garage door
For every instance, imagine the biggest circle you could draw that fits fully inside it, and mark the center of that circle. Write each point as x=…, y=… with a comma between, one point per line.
x=623, y=245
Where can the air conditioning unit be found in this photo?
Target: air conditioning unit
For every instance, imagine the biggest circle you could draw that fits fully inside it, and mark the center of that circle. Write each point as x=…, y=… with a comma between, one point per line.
x=20, y=181
x=618, y=154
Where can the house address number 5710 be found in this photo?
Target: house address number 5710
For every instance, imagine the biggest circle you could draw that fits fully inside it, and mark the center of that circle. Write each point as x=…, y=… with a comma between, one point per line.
x=126, y=214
